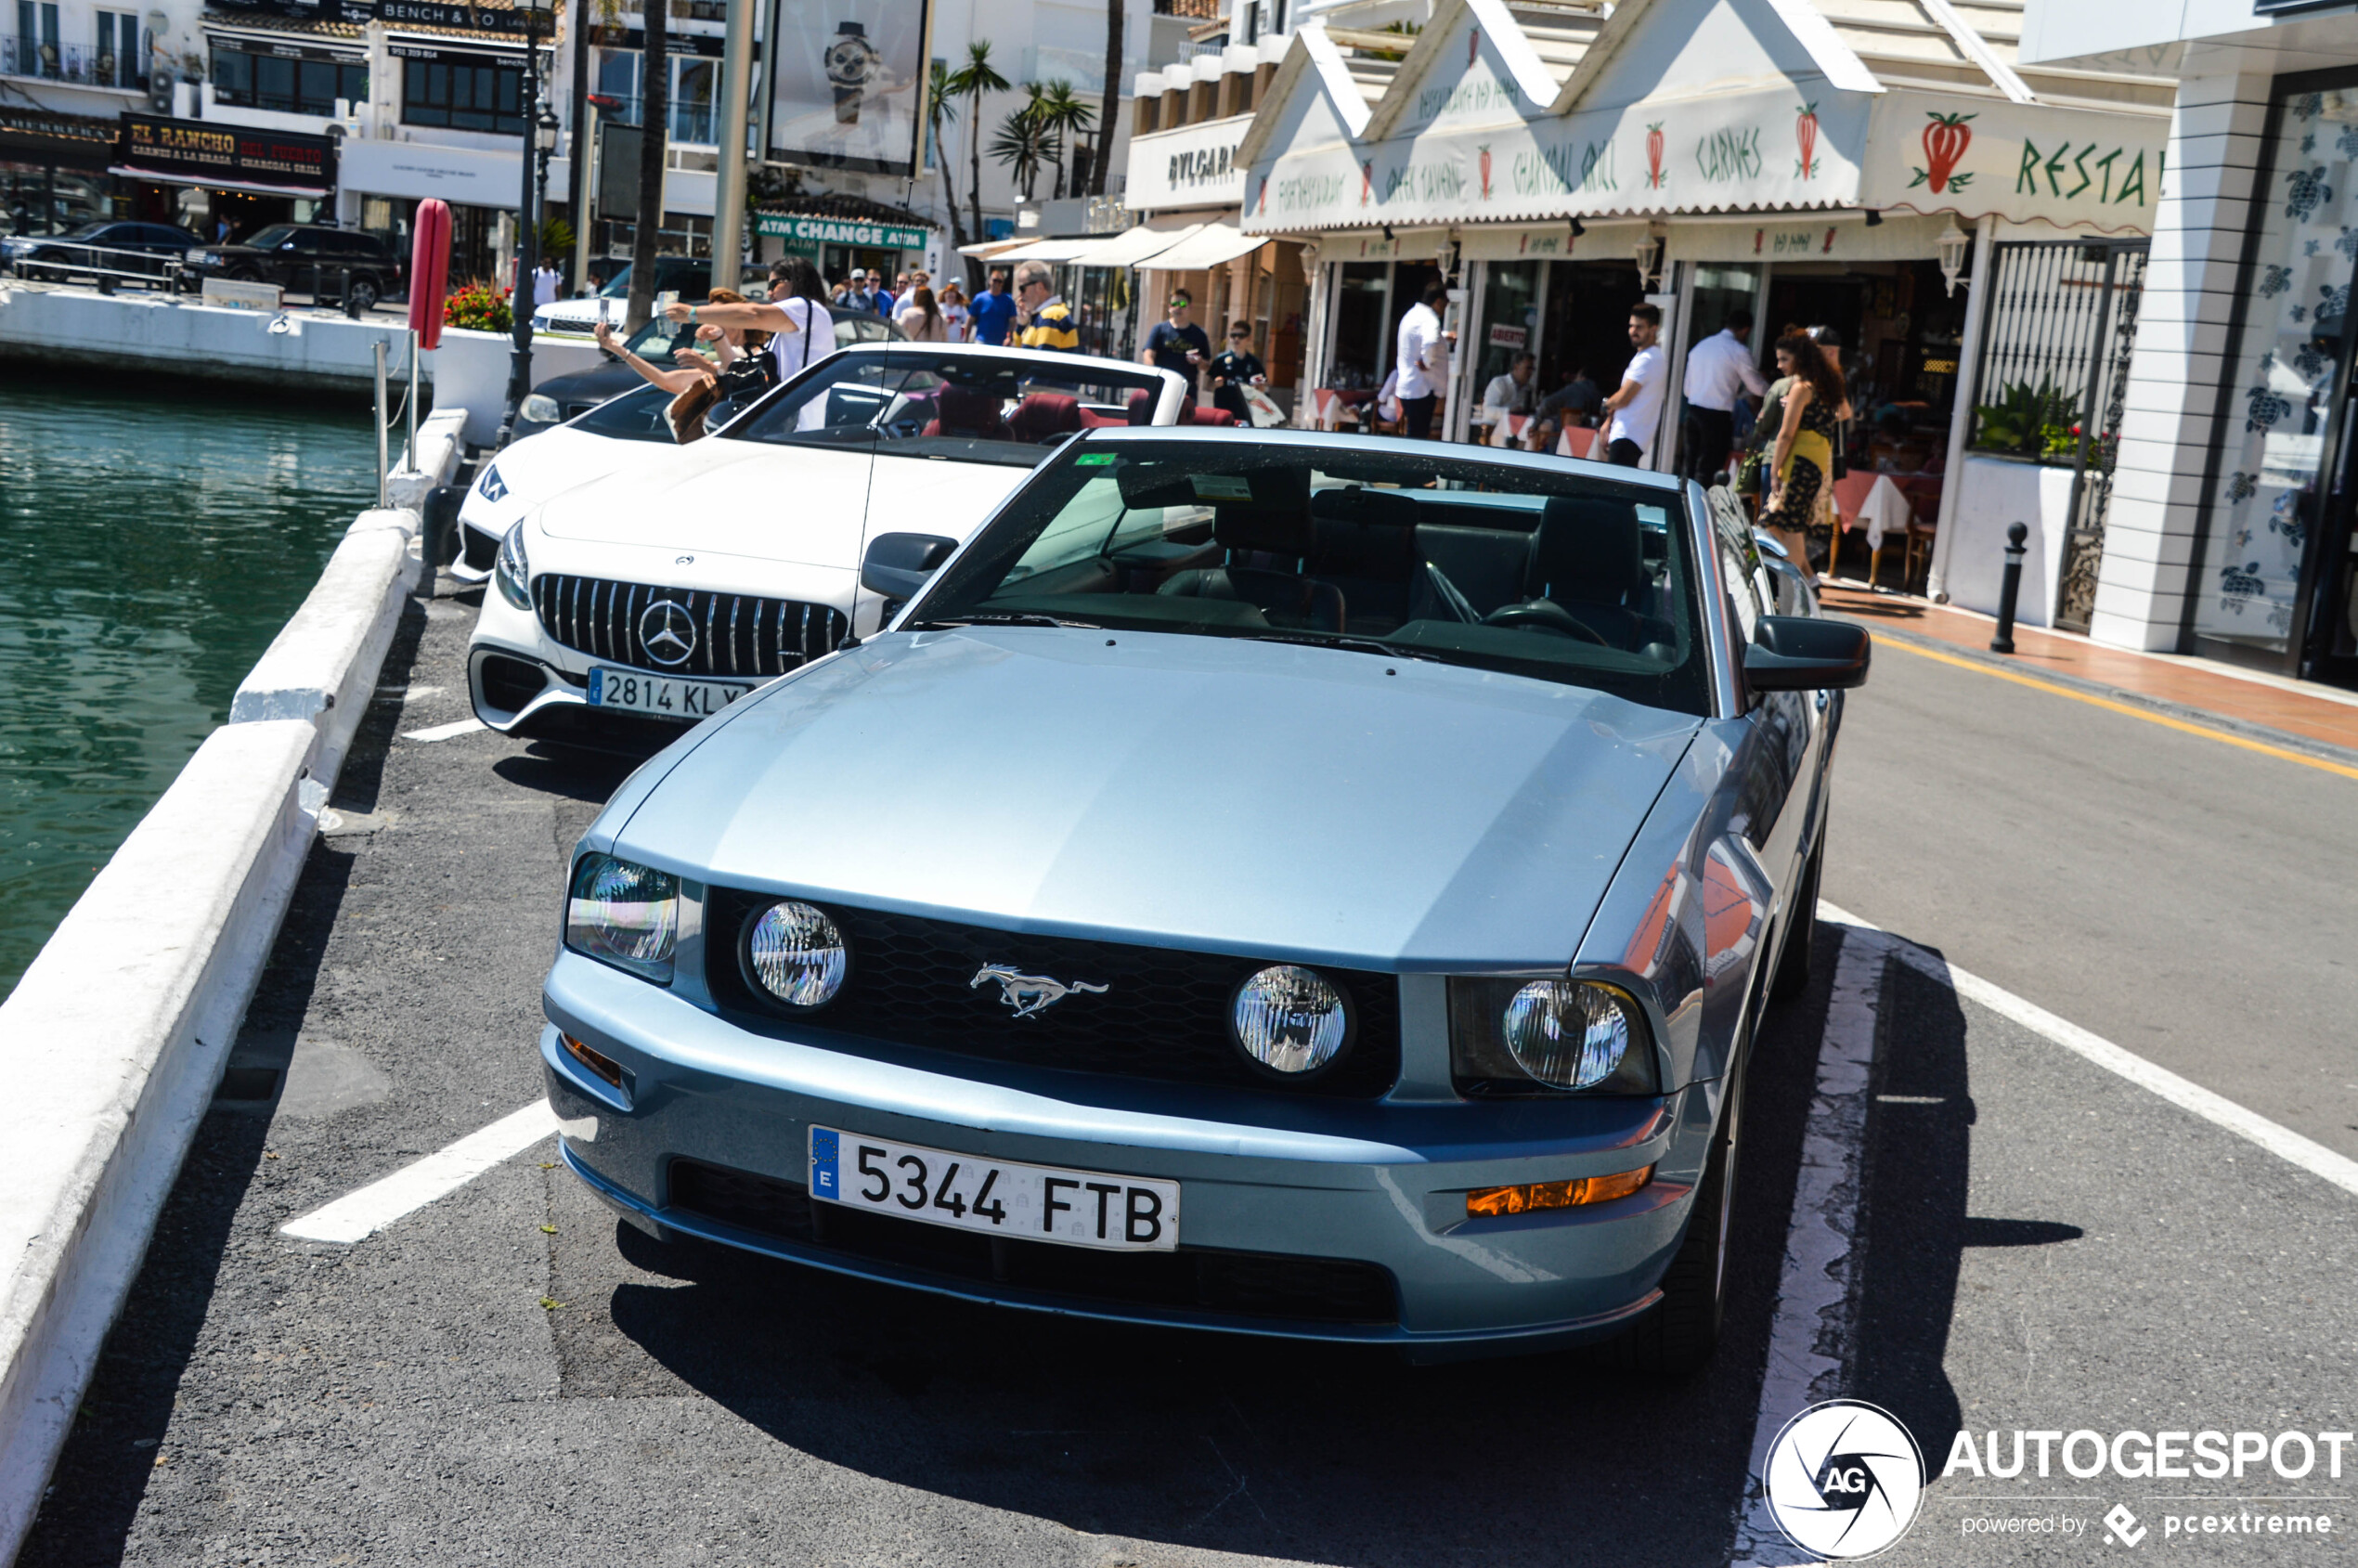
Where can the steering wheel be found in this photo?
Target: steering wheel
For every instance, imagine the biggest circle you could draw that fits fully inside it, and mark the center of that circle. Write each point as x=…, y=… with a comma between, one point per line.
x=1542, y=614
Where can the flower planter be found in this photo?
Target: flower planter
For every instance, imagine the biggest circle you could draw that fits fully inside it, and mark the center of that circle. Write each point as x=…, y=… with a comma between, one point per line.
x=1992, y=493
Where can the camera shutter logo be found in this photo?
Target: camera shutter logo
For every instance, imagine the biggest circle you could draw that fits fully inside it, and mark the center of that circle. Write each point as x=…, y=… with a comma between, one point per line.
x=667, y=632
x=1844, y=1480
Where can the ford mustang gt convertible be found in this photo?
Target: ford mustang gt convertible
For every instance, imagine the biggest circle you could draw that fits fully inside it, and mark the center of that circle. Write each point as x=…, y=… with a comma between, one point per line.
x=671, y=580
x=1264, y=882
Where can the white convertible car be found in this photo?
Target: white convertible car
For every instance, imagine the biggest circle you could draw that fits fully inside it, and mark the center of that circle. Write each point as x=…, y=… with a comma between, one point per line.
x=657, y=592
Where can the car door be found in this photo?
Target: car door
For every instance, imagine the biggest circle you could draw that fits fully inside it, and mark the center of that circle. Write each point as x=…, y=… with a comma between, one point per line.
x=1775, y=764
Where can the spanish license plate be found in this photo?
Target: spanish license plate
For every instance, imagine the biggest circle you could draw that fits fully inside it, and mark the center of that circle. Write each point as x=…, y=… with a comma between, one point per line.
x=665, y=695
x=995, y=1197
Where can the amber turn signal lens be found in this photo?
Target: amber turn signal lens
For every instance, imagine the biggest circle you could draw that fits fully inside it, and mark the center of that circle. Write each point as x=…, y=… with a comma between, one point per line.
x=604, y=1066
x=1556, y=1194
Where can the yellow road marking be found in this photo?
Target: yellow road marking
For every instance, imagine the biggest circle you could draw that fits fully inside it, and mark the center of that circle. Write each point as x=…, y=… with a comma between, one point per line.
x=2146, y=714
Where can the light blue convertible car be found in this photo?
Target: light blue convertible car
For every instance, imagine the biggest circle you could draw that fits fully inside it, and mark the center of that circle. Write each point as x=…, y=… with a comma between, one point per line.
x=1264, y=881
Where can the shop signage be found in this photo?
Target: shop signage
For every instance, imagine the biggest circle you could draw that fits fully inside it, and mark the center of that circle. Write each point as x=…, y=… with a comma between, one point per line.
x=210, y=152
x=462, y=175
x=402, y=13
x=839, y=232
x=1928, y=153
x=1193, y=166
x=1503, y=336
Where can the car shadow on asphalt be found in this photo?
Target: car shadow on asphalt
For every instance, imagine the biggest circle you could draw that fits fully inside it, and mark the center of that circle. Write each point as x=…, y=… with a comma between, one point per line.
x=1337, y=1454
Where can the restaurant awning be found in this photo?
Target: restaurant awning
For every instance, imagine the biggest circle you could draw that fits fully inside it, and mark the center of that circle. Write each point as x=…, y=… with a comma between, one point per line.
x=1049, y=250
x=985, y=248
x=1133, y=246
x=1212, y=246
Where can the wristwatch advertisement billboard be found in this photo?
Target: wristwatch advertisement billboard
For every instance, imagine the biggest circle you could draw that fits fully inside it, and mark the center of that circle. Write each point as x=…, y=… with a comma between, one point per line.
x=848, y=83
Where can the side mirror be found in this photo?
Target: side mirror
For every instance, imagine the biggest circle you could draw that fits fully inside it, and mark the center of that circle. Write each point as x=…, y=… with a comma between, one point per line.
x=898, y=564
x=1800, y=653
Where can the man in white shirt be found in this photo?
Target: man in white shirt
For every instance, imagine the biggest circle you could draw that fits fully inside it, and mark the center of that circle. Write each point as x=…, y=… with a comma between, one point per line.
x=1510, y=393
x=1421, y=361
x=1719, y=370
x=544, y=283
x=1634, y=412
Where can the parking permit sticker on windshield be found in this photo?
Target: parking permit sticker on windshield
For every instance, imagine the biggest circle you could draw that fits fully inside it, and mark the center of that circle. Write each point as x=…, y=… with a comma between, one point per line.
x=1093, y=459
x=1220, y=487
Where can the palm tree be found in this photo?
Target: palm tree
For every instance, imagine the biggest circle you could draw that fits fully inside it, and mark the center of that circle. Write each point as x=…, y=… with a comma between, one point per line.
x=940, y=112
x=1065, y=117
x=971, y=82
x=1022, y=145
x=1102, y=165
x=653, y=113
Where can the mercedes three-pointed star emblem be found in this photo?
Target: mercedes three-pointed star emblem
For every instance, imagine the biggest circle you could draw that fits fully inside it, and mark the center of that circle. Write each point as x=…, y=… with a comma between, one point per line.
x=667, y=632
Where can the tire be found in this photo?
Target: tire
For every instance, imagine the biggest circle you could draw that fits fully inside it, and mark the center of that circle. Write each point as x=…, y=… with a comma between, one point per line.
x=1801, y=932
x=1674, y=1338
x=365, y=294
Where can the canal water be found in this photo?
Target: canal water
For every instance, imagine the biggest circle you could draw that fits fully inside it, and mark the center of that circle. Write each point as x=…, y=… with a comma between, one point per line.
x=150, y=547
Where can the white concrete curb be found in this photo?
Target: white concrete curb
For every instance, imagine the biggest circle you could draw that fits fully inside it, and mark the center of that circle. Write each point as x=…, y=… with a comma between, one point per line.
x=112, y=1045
x=114, y=1041
x=441, y=443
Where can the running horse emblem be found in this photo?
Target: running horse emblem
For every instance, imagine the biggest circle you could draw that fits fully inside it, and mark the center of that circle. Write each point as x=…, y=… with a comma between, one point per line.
x=1029, y=994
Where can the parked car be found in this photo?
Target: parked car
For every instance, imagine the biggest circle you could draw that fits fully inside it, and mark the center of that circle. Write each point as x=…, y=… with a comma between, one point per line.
x=113, y=247
x=305, y=258
x=689, y=277
x=1274, y=882
x=626, y=608
x=563, y=397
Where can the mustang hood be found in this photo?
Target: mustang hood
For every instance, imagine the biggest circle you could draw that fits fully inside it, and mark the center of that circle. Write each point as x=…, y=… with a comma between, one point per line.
x=810, y=505
x=1196, y=792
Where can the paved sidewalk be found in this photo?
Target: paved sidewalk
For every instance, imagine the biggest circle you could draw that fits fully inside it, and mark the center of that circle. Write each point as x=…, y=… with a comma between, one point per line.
x=2196, y=688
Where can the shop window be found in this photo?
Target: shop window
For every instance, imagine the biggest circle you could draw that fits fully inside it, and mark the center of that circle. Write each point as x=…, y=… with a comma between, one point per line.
x=1509, y=325
x=463, y=95
x=121, y=62
x=34, y=51
x=251, y=80
x=1362, y=332
x=2282, y=375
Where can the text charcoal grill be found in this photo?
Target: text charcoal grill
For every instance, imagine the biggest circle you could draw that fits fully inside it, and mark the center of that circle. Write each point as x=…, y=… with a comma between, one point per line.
x=736, y=634
x=1164, y=1013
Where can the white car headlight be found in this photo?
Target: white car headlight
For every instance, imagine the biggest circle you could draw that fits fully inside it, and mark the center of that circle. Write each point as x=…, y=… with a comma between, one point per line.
x=541, y=408
x=1290, y=1020
x=627, y=916
x=796, y=954
x=1570, y=1033
x=513, y=570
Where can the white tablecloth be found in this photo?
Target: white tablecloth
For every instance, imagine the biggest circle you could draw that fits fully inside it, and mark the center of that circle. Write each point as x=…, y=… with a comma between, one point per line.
x=1885, y=510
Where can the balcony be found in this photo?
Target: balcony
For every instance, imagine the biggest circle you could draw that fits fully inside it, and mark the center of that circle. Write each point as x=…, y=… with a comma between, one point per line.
x=79, y=65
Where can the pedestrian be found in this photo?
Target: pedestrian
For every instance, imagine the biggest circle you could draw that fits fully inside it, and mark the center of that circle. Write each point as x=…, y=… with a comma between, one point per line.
x=1045, y=321
x=691, y=377
x=1236, y=369
x=798, y=294
x=1635, y=409
x=1422, y=358
x=1176, y=343
x=545, y=283
x=921, y=320
x=1513, y=392
x=954, y=310
x=1801, y=465
x=994, y=310
x=1721, y=374
x=1575, y=404
x=882, y=297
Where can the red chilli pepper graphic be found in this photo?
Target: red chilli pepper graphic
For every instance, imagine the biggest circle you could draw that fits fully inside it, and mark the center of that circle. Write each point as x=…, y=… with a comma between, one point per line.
x=1473, y=46
x=1482, y=155
x=1366, y=181
x=1262, y=203
x=1946, y=139
x=1654, y=155
x=1804, y=131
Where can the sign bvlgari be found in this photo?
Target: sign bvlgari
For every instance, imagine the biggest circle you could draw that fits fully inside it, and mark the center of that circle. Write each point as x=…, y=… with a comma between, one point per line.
x=1193, y=166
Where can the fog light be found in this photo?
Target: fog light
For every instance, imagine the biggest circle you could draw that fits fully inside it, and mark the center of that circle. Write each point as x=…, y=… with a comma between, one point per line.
x=1556, y=1194
x=604, y=1066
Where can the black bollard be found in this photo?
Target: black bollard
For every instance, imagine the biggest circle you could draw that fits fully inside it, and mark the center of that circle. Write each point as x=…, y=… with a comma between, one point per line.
x=2009, y=588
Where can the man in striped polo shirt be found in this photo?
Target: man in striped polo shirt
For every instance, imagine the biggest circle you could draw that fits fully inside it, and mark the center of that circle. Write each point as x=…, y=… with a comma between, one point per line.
x=1042, y=320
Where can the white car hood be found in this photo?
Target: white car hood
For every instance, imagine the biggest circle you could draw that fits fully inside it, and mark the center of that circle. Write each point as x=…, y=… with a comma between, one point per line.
x=805, y=505
x=551, y=463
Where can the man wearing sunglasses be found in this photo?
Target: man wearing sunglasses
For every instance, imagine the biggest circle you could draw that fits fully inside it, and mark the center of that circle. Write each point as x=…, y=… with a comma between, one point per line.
x=1177, y=344
x=1236, y=369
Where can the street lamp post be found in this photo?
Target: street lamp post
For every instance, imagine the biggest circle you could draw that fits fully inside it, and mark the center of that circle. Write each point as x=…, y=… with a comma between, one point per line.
x=539, y=139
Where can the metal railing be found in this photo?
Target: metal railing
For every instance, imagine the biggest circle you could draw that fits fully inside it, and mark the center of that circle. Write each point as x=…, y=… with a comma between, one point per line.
x=40, y=258
x=81, y=65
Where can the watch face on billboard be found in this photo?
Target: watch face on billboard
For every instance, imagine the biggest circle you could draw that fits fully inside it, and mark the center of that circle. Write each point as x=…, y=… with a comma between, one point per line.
x=848, y=81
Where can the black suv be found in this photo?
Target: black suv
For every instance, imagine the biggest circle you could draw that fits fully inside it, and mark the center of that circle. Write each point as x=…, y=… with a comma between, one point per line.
x=305, y=258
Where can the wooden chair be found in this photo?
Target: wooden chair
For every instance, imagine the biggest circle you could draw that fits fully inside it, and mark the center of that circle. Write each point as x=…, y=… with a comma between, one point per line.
x=1576, y=442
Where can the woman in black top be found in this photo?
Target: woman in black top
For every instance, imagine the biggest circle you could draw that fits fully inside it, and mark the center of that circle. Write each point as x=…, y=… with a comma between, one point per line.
x=1235, y=370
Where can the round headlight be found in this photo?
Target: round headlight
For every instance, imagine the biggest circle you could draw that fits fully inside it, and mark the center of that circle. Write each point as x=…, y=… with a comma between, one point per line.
x=796, y=954
x=1290, y=1019
x=1568, y=1032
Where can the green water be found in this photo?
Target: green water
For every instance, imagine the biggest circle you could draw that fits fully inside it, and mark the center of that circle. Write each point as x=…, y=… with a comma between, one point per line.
x=150, y=547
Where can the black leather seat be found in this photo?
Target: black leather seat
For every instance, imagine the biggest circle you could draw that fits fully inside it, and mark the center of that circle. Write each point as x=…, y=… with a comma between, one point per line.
x=1366, y=547
x=1269, y=540
x=1588, y=564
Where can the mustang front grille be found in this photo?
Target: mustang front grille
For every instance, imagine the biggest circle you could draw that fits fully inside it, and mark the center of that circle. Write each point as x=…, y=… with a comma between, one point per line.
x=724, y=634
x=1164, y=1012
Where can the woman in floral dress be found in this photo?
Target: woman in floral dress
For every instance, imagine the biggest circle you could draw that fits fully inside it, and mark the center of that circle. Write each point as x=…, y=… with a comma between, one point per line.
x=1803, y=454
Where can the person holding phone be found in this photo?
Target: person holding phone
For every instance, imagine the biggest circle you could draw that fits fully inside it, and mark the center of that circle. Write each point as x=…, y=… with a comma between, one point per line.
x=1177, y=344
x=1235, y=369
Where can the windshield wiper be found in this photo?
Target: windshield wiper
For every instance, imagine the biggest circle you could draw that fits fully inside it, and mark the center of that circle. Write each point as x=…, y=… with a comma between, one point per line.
x=1348, y=644
x=1002, y=617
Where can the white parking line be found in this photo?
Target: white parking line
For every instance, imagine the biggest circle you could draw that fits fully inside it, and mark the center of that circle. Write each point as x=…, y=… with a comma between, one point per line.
x=359, y=1214
x=446, y=731
x=2278, y=1140
x=1813, y=1290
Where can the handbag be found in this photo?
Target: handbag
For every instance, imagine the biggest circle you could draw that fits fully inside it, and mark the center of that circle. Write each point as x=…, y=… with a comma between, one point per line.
x=685, y=414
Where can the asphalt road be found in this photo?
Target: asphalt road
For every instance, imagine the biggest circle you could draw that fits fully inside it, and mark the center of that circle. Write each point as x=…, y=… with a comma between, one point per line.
x=508, y=1375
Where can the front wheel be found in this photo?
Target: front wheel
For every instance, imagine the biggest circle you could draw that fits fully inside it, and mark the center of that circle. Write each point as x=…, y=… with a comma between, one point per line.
x=1674, y=1338
x=365, y=294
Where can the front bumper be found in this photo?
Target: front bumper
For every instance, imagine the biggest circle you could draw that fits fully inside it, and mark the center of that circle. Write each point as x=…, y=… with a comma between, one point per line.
x=522, y=682
x=1274, y=1186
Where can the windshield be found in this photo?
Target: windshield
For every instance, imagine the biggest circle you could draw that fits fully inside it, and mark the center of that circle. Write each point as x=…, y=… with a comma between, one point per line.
x=928, y=403
x=275, y=235
x=636, y=415
x=1554, y=576
x=89, y=231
